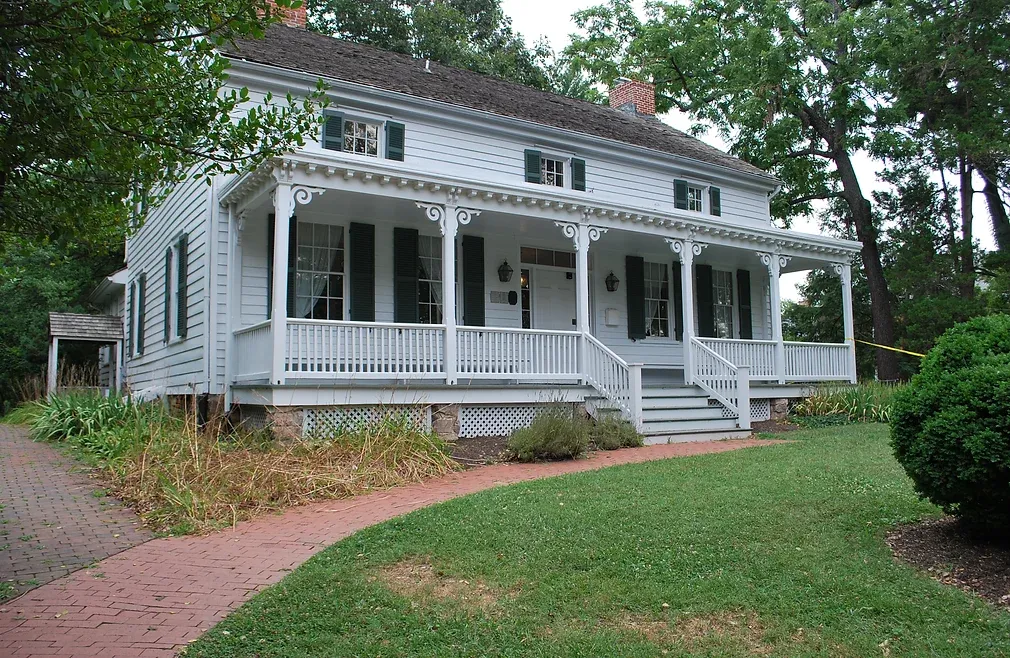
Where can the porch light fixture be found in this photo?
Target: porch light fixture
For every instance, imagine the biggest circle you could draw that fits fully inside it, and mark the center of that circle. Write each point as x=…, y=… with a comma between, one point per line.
x=612, y=282
x=505, y=272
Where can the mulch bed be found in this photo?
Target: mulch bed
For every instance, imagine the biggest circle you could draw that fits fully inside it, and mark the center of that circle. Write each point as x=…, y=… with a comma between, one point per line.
x=942, y=548
x=479, y=451
x=773, y=426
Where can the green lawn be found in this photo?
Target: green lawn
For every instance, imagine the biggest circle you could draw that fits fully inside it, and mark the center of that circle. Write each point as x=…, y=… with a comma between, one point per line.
x=768, y=551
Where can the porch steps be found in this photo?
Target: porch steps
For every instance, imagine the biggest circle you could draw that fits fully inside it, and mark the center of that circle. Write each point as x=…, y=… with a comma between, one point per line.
x=672, y=413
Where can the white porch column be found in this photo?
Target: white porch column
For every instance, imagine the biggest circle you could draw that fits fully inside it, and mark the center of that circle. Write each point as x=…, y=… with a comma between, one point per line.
x=449, y=217
x=284, y=207
x=581, y=235
x=844, y=272
x=775, y=263
x=687, y=250
x=51, y=373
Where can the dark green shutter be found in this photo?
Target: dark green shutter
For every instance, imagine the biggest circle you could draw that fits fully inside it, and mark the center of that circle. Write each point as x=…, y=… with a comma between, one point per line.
x=578, y=174
x=680, y=194
x=706, y=301
x=394, y=141
x=532, y=166
x=182, y=319
x=131, y=334
x=634, y=274
x=270, y=263
x=141, y=311
x=743, y=292
x=473, y=280
x=678, y=301
x=404, y=275
x=362, y=272
x=333, y=132
x=715, y=201
x=292, y=265
x=168, y=294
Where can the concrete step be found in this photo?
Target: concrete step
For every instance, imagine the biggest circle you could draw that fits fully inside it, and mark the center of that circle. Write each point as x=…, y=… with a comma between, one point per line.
x=703, y=412
x=678, y=402
x=672, y=392
x=687, y=425
x=687, y=437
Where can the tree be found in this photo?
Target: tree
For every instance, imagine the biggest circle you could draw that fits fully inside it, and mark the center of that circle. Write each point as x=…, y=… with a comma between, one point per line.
x=105, y=104
x=470, y=34
x=786, y=81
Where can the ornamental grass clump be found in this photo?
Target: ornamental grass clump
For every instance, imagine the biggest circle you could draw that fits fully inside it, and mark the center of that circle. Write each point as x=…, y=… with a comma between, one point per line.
x=554, y=434
x=610, y=432
x=867, y=402
x=950, y=428
x=181, y=478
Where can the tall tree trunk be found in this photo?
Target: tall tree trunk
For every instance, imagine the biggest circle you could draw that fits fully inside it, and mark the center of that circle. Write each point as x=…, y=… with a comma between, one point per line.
x=966, y=285
x=880, y=295
x=997, y=209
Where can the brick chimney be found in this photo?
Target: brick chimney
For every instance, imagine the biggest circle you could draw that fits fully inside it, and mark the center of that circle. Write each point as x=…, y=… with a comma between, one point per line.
x=290, y=17
x=634, y=96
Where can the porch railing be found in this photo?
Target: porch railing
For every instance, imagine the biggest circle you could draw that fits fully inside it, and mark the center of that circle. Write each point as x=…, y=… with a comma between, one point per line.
x=252, y=352
x=528, y=354
x=727, y=383
x=817, y=361
x=365, y=350
x=758, y=355
x=613, y=378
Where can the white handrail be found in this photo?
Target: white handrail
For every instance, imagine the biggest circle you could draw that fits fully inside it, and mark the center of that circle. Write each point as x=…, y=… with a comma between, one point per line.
x=757, y=355
x=523, y=354
x=615, y=379
x=252, y=352
x=722, y=380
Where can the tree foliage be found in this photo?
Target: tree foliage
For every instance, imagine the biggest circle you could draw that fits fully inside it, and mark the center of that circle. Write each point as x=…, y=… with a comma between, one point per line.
x=104, y=104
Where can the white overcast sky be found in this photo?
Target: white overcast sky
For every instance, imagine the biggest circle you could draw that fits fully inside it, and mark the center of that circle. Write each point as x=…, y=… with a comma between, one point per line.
x=553, y=20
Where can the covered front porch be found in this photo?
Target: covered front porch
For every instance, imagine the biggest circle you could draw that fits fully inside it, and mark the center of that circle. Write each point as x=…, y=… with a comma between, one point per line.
x=430, y=283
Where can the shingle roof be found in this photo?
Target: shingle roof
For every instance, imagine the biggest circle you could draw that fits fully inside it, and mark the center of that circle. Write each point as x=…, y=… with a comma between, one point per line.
x=301, y=50
x=79, y=326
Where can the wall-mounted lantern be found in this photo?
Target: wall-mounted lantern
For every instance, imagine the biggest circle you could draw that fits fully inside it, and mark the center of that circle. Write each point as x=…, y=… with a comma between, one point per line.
x=505, y=272
x=612, y=282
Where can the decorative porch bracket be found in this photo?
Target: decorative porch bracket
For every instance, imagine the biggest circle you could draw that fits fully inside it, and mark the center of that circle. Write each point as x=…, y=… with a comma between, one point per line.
x=687, y=250
x=844, y=272
x=285, y=197
x=449, y=218
x=775, y=262
x=582, y=235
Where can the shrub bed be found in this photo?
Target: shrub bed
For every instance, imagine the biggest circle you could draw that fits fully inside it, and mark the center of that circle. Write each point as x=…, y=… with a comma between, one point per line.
x=950, y=428
x=867, y=402
x=559, y=434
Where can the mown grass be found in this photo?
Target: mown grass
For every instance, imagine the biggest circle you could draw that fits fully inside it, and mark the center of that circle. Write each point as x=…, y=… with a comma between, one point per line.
x=771, y=551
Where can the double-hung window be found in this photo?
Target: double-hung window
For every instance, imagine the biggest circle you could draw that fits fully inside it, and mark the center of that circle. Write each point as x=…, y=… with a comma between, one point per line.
x=429, y=279
x=695, y=195
x=361, y=137
x=552, y=171
x=319, y=272
x=657, y=300
x=722, y=300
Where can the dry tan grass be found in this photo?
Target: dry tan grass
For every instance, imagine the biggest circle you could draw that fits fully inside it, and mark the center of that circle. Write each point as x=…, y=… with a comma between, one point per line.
x=423, y=583
x=738, y=631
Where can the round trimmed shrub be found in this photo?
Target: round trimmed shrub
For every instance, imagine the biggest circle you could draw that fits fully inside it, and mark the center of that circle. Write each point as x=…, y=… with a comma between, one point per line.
x=950, y=427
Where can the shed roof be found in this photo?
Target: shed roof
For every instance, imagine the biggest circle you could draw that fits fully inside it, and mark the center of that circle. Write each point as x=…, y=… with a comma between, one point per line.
x=80, y=326
x=301, y=50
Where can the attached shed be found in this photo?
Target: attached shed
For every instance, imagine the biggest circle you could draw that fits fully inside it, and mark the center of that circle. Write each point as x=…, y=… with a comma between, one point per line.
x=106, y=330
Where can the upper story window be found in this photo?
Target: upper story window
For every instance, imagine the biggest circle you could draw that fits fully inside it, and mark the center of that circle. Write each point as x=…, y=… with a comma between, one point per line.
x=546, y=169
x=364, y=136
x=657, y=300
x=694, y=196
x=552, y=171
x=691, y=196
x=361, y=137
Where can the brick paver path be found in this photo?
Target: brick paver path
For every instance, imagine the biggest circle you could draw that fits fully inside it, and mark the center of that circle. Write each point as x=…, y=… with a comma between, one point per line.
x=53, y=523
x=153, y=599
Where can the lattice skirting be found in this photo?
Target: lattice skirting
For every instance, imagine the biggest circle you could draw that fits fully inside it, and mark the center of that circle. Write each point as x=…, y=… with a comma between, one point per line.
x=760, y=409
x=726, y=413
x=326, y=421
x=497, y=419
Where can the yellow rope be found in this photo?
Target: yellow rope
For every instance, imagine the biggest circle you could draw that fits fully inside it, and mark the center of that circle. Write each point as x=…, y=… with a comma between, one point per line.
x=893, y=349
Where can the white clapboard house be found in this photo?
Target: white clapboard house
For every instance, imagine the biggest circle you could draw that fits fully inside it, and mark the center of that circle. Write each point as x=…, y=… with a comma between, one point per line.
x=471, y=250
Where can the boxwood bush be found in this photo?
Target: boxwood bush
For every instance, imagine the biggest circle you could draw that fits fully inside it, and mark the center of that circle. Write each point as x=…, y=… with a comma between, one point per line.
x=950, y=428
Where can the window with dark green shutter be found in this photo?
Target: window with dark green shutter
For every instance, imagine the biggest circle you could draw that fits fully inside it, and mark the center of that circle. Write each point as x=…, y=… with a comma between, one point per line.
x=532, y=158
x=706, y=301
x=678, y=301
x=473, y=280
x=394, y=140
x=362, y=270
x=634, y=274
x=169, y=272
x=182, y=292
x=405, y=271
x=743, y=295
x=141, y=311
x=715, y=200
x=333, y=132
x=578, y=174
x=680, y=194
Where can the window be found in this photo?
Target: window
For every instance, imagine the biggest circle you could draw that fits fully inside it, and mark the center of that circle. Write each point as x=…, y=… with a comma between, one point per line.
x=429, y=279
x=550, y=257
x=657, y=300
x=527, y=302
x=319, y=272
x=171, y=292
x=722, y=297
x=552, y=172
x=361, y=137
x=694, y=195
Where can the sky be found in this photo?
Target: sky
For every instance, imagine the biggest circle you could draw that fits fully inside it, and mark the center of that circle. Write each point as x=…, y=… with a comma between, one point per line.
x=553, y=21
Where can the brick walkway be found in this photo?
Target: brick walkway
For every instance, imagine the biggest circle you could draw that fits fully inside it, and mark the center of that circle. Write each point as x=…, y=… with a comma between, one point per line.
x=153, y=599
x=52, y=523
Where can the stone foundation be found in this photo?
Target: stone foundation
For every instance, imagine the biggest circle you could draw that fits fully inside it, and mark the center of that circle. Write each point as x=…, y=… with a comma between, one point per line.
x=779, y=408
x=285, y=423
x=445, y=421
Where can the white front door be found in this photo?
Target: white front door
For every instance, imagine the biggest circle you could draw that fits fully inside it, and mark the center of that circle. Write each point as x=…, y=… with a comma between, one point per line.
x=554, y=300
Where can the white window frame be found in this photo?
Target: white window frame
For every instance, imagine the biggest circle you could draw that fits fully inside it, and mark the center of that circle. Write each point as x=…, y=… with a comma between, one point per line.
x=343, y=274
x=700, y=189
x=434, y=257
x=730, y=308
x=172, y=303
x=133, y=301
x=566, y=170
x=359, y=117
x=665, y=272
